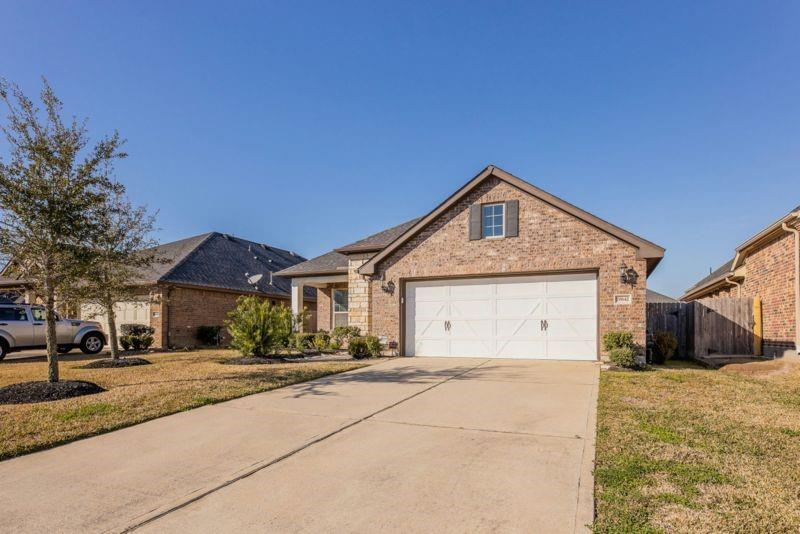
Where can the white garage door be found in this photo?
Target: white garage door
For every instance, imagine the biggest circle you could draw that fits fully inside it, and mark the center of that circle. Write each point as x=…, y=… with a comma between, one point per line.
x=127, y=312
x=546, y=317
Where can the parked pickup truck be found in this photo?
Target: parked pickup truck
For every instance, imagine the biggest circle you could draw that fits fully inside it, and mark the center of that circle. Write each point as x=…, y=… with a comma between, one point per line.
x=22, y=327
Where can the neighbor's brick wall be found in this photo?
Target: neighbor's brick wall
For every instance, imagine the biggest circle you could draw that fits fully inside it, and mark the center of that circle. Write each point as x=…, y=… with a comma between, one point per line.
x=549, y=240
x=187, y=308
x=770, y=275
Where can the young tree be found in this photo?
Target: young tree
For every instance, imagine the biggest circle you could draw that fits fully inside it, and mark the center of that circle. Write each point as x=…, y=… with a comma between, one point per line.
x=119, y=252
x=51, y=189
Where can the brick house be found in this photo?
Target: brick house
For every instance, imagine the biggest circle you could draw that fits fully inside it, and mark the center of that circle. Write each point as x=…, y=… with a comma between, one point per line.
x=764, y=266
x=498, y=269
x=196, y=283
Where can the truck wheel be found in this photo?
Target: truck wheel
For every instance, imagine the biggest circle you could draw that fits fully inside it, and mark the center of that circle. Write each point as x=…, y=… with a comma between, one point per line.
x=63, y=349
x=3, y=348
x=92, y=343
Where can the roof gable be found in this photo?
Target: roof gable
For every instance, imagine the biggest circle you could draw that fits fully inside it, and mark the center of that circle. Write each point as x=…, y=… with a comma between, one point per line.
x=645, y=249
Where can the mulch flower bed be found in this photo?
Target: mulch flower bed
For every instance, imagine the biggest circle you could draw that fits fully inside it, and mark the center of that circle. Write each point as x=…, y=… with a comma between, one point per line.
x=43, y=391
x=110, y=363
x=253, y=360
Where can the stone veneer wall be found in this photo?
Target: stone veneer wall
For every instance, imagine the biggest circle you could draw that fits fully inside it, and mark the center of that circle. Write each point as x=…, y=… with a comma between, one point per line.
x=359, y=294
x=549, y=240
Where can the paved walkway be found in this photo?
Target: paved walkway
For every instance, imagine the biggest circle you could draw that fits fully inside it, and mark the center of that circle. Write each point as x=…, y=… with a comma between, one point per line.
x=407, y=445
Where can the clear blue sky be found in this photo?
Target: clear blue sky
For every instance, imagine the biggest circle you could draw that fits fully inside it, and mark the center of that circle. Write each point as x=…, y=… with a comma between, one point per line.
x=309, y=125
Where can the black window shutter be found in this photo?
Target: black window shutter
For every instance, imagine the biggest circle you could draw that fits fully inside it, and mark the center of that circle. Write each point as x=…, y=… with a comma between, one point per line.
x=512, y=218
x=475, y=226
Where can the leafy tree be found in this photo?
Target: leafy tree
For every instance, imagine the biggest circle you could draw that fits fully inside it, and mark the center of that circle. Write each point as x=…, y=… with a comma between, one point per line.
x=120, y=248
x=51, y=190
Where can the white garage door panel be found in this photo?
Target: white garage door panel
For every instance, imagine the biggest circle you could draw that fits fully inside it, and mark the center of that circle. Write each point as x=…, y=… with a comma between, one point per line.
x=126, y=312
x=546, y=317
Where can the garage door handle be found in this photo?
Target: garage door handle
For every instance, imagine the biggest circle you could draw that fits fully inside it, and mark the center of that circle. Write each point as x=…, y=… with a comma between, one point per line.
x=447, y=326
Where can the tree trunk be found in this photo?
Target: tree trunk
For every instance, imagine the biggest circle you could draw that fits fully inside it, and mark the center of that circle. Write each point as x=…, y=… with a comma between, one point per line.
x=112, y=330
x=52, y=342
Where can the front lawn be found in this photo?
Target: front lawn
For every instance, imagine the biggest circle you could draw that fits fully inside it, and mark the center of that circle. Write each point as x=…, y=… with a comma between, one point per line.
x=174, y=382
x=685, y=449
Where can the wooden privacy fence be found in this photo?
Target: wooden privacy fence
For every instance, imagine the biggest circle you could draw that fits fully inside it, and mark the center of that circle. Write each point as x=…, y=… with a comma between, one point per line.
x=675, y=317
x=707, y=326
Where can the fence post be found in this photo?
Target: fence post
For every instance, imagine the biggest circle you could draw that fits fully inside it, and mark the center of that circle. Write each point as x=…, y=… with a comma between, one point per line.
x=758, y=327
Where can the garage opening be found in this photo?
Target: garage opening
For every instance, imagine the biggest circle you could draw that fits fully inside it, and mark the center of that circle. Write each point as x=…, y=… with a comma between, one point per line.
x=538, y=317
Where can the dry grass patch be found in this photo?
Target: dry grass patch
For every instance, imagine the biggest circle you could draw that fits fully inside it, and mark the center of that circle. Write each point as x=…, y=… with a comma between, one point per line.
x=173, y=383
x=686, y=449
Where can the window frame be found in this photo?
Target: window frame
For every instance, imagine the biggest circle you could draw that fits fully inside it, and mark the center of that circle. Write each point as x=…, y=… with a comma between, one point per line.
x=345, y=312
x=493, y=215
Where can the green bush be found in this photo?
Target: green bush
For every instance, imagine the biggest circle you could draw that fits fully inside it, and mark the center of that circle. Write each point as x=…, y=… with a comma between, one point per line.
x=136, y=336
x=302, y=340
x=664, y=344
x=624, y=357
x=344, y=334
x=334, y=345
x=364, y=347
x=257, y=328
x=321, y=340
x=617, y=340
x=374, y=346
x=208, y=335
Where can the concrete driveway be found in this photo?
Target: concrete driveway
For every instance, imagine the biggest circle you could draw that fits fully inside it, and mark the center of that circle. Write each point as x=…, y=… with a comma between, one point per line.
x=407, y=445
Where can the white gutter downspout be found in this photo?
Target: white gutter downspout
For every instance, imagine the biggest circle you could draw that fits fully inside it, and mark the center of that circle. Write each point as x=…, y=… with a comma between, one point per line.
x=796, y=284
x=737, y=284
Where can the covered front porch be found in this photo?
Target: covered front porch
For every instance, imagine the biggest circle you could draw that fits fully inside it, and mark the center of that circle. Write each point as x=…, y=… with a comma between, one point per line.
x=332, y=299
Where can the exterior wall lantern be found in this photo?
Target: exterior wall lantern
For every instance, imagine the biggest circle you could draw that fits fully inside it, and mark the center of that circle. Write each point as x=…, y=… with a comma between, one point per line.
x=388, y=287
x=627, y=275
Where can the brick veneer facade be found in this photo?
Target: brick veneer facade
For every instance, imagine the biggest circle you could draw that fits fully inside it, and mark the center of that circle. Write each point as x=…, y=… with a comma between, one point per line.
x=176, y=312
x=549, y=240
x=770, y=275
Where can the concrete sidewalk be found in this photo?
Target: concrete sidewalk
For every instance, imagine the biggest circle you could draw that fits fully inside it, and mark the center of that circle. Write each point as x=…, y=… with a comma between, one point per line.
x=409, y=444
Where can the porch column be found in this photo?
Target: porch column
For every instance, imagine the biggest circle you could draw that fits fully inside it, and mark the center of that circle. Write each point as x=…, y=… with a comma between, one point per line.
x=297, y=299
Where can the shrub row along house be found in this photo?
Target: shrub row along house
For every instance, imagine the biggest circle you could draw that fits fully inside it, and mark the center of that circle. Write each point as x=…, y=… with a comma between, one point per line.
x=499, y=269
x=194, y=283
x=765, y=266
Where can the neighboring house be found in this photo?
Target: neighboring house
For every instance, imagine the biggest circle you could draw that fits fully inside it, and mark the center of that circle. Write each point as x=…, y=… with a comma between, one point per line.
x=196, y=282
x=499, y=269
x=764, y=266
x=654, y=297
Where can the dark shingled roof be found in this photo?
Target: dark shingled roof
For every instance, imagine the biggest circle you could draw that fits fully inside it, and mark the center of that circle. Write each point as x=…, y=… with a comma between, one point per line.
x=655, y=297
x=335, y=262
x=720, y=273
x=378, y=241
x=220, y=261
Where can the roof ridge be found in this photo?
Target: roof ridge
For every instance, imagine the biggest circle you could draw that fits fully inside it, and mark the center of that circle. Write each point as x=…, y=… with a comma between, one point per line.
x=186, y=256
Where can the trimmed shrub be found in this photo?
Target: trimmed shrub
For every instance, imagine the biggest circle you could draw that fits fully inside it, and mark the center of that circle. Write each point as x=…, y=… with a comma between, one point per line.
x=334, y=345
x=624, y=357
x=374, y=346
x=343, y=334
x=664, y=344
x=302, y=340
x=258, y=328
x=208, y=335
x=617, y=340
x=321, y=340
x=136, y=336
x=364, y=347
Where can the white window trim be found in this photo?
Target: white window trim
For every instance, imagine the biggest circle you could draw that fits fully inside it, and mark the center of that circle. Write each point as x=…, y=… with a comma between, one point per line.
x=502, y=220
x=333, y=305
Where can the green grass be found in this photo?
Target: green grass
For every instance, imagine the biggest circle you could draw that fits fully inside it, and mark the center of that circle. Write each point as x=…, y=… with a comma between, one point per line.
x=685, y=449
x=175, y=382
